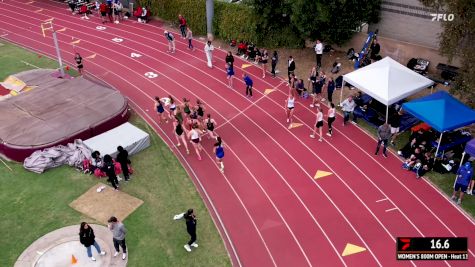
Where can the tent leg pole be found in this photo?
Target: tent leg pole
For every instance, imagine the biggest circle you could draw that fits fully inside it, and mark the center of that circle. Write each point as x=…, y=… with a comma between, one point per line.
x=342, y=88
x=461, y=162
x=438, y=145
x=387, y=113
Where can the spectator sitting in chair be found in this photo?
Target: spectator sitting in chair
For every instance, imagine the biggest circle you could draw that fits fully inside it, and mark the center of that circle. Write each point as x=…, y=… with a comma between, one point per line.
x=242, y=48
x=464, y=175
x=300, y=87
x=143, y=16
x=359, y=99
x=348, y=106
x=425, y=165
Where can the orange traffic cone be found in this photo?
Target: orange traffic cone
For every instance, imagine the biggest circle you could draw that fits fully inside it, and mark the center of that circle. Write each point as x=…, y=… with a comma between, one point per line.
x=67, y=67
x=73, y=260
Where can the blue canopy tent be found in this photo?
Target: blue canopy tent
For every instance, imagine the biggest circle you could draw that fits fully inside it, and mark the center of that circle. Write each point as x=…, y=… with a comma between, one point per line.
x=441, y=111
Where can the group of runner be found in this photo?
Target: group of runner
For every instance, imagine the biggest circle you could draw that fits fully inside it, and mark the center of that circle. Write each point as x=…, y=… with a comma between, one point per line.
x=189, y=122
x=317, y=82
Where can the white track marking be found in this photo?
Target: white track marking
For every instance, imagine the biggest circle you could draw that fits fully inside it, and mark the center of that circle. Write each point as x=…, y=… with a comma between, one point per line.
x=391, y=209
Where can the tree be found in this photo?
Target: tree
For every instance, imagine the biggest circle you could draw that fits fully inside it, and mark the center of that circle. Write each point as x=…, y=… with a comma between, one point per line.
x=457, y=40
x=334, y=21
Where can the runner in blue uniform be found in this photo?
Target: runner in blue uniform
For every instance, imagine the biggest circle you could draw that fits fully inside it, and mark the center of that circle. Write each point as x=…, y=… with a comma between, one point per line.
x=219, y=151
x=160, y=110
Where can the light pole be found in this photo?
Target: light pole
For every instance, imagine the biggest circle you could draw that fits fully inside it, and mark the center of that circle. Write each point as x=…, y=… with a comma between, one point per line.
x=46, y=26
x=209, y=18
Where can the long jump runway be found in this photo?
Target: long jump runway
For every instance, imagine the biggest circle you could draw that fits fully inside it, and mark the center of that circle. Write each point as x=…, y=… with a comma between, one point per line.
x=284, y=199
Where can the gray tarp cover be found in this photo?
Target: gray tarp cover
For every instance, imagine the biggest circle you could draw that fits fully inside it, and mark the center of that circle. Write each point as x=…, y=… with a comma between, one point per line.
x=72, y=154
x=126, y=135
x=33, y=119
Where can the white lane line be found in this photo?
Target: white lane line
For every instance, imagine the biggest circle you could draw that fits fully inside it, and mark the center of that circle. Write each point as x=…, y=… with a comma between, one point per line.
x=391, y=209
x=382, y=199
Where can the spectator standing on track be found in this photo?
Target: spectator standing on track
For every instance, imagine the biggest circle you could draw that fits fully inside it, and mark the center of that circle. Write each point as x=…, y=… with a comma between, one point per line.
x=182, y=22
x=158, y=106
x=384, y=134
x=264, y=61
x=312, y=80
x=171, y=41
x=230, y=59
x=219, y=152
x=103, y=11
x=274, y=61
x=464, y=175
x=118, y=10
x=88, y=239
x=209, y=53
x=319, y=53
x=118, y=236
x=330, y=89
x=348, y=106
x=123, y=159
x=249, y=84
x=395, y=122
x=331, y=118
x=290, y=67
x=318, y=125
x=109, y=169
x=78, y=60
x=230, y=74
x=189, y=36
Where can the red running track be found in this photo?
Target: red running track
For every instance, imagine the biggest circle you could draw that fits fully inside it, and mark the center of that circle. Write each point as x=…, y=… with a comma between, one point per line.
x=267, y=206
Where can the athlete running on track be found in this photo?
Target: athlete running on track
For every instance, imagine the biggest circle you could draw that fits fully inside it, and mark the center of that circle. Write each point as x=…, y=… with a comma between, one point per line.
x=219, y=152
x=289, y=108
x=195, y=137
x=158, y=106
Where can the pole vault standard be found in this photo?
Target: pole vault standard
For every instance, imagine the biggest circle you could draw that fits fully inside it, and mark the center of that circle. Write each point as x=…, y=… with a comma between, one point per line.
x=48, y=26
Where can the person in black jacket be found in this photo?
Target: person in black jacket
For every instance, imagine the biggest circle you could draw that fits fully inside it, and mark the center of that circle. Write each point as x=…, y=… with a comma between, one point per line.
x=290, y=67
x=87, y=238
x=109, y=169
x=230, y=59
x=123, y=159
x=190, y=219
x=274, y=60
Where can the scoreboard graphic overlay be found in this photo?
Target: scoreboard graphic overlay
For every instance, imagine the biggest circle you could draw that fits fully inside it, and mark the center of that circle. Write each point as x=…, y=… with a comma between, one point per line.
x=432, y=248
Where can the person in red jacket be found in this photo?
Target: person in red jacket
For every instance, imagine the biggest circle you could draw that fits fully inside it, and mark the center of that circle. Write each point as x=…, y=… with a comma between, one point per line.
x=182, y=22
x=103, y=10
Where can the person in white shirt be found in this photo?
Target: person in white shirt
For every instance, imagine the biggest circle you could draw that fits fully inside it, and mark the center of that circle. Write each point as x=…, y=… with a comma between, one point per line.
x=331, y=118
x=348, y=106
x=209, y=53
x=290, y=105
x=171, y=41
x=319, y=52
x=318, y=125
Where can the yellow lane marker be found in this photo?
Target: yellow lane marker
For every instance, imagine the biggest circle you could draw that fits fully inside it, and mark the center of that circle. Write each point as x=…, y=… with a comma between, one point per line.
x=352, y=249
x=321, y=174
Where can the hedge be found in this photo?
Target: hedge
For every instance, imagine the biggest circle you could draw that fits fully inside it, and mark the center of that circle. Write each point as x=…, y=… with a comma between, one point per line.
x=231, y=21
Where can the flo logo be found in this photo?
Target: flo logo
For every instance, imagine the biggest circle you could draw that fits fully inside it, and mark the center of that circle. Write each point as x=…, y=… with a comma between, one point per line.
x=442, y=17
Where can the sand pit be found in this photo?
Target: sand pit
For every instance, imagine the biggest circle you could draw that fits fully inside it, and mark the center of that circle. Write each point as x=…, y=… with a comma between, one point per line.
x=101, y=206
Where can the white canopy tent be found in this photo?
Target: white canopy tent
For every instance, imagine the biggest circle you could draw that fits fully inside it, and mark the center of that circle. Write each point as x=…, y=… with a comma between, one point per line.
x=387, y=81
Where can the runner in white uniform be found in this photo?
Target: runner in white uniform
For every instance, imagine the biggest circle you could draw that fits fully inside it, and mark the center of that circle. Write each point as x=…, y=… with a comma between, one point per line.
x=318, y=124
x=331, y=118
x=195, y=136
x=290, y=106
